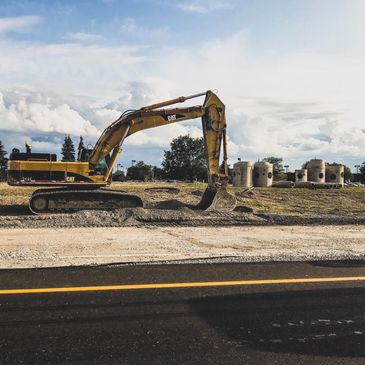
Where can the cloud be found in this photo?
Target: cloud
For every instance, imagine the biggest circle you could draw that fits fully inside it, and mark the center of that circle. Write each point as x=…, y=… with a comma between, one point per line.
x=83, y=37
x=134, y=95
x=18, y=24
x=27, y=112
x=278, y=103
x=45, y=118
x=204, y=6
x=294, y=105
x=42, y=119
x=69, y=68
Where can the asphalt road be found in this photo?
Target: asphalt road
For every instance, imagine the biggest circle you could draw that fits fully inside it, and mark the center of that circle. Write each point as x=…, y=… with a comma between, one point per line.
x=264, y=323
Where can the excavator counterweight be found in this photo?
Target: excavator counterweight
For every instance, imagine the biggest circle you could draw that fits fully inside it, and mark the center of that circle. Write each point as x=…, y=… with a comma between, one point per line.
x=81, y=185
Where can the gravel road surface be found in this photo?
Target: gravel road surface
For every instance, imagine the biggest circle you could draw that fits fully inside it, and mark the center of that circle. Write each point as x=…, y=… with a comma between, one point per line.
x=27, y=248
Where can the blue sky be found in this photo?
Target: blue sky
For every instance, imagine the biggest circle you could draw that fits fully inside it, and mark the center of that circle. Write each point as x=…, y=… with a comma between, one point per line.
x=290, y=72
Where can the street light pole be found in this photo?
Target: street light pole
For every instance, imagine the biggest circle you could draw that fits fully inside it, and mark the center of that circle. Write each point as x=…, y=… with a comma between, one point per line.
x=357, y=168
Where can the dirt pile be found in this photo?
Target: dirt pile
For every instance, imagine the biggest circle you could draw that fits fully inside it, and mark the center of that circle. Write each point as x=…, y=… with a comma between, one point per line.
x=130, y=217
x=183, y=216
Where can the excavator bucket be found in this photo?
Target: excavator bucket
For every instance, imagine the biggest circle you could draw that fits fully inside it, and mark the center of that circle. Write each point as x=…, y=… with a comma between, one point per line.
x=217, y=198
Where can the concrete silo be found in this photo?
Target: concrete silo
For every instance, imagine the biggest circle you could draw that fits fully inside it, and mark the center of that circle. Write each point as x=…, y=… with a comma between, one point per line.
x=242, y=174
x=262, y=174
x=335, y=174
x=301, y=175
x=316, y=170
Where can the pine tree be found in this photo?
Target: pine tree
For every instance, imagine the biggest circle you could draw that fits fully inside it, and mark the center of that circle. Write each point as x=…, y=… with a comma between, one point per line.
x=3, y=161
x=3, y=153
x=68, y=150
x=80, y=148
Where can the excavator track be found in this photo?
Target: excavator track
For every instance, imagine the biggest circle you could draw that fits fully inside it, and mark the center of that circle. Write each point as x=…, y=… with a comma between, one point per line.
x=65, y=200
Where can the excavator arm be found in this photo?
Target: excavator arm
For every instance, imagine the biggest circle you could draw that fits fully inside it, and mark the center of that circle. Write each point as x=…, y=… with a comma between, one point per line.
x=212, y=113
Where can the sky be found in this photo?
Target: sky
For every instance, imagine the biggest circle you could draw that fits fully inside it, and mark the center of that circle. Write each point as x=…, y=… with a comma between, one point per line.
x=290, y=72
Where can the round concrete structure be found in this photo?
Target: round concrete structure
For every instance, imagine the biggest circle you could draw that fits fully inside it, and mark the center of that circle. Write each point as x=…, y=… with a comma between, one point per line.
x=335, y=174
x=301, y=175
x=263, y=174
x=242, y=174
x=316, y=170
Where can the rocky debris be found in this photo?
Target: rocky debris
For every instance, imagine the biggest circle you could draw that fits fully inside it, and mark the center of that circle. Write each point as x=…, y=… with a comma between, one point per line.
x=172, y=213
x=129, y=217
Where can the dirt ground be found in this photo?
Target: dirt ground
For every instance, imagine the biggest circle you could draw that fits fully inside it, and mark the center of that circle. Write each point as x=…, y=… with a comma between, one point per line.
x=176, y=208
x=267, y=224
x=27, y=248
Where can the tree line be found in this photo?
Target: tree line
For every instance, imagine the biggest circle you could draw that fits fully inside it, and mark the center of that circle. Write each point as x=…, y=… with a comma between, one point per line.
x=185, y=160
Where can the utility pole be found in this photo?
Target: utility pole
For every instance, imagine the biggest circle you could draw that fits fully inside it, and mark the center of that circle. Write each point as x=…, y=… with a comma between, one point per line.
x=286, y=168
x=357, y=168
x=133, y=162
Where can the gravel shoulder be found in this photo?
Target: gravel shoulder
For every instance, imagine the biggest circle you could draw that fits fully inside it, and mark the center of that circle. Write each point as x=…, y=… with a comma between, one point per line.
x=267, y=225
x=30, y=248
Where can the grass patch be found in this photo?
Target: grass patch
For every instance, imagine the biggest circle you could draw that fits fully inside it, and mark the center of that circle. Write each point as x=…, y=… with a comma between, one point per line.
x=304, y=201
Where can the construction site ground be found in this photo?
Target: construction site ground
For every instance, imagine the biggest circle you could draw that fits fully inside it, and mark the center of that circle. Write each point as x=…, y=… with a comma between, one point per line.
x=267, y=224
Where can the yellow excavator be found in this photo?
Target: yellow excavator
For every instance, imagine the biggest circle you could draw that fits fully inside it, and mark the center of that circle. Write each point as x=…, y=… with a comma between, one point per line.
x=82, y=185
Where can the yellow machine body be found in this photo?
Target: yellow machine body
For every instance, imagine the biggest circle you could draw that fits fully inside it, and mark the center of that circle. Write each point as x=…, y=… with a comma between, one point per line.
x=52, y=173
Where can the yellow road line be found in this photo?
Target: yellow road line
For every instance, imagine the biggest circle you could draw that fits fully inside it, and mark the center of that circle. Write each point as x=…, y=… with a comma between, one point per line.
x=180, y=285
